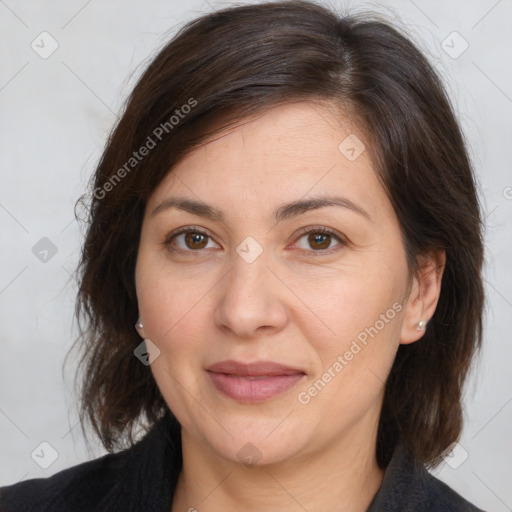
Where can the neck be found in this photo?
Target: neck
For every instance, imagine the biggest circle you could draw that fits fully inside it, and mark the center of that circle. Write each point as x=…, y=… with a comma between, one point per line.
x=344, y=476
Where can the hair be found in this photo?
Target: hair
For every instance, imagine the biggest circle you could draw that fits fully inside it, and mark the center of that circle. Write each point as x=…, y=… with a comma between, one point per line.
x=223, y=67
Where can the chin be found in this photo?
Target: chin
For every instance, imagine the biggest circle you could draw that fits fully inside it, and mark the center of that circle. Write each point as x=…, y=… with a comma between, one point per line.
x=259, y=453
x=255, y=445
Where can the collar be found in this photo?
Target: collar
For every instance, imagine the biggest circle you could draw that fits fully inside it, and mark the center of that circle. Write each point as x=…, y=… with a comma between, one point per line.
x=156, y=462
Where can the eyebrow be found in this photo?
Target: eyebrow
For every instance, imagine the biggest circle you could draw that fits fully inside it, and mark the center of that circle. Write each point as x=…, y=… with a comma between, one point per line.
x=284, y=212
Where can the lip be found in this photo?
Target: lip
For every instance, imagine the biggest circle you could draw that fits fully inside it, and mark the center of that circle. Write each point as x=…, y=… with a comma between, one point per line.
x=253, y=382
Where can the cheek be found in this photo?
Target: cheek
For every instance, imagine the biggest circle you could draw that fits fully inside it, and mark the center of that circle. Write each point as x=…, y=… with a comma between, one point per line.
x=173, y=317
x=355, y=352
x=159, y=294
x=348, y=302
x=169, y=314
x=354, y=362
x=172, y=309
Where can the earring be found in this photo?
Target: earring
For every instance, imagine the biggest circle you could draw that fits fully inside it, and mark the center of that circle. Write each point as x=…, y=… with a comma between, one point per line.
x=139, y=324
x=421, y=325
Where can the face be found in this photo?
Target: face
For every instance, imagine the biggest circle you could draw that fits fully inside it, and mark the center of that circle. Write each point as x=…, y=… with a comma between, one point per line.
x=305, y=302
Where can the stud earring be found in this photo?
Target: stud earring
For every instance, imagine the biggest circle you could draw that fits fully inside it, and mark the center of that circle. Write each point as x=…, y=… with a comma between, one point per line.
x=421, y=325
x=139, y=324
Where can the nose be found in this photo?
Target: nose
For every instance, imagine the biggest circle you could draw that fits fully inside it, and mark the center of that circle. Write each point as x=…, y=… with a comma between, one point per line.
x=251, y=301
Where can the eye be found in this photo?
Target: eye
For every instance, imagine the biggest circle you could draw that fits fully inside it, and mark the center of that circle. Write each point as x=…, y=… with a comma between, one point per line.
x=191, y=239
x=187, y=239
x=320, y=239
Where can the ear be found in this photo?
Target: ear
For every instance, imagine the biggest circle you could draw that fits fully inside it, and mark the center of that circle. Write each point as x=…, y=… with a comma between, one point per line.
x=424, y=295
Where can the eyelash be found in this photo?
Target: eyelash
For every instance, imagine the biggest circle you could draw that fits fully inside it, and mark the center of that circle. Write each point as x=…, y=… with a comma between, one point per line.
x=304, y=231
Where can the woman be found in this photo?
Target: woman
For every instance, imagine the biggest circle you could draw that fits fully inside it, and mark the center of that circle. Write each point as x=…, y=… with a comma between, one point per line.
x=282, y=274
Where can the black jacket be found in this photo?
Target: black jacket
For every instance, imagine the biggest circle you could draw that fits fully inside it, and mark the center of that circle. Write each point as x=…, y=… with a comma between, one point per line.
x=143, y=478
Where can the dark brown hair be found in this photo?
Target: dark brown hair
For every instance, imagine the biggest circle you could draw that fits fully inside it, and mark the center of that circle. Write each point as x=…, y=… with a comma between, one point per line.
x=238, y=61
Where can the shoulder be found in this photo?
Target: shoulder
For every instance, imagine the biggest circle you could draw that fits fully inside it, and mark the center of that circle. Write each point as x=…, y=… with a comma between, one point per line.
x=141, y=477
x=408, y=486
x=78, y=488
x=440, y=496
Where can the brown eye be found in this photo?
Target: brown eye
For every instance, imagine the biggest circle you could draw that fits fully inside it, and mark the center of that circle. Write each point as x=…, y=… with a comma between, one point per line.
x=187, y=240
x=195, y=240
x=319, y=241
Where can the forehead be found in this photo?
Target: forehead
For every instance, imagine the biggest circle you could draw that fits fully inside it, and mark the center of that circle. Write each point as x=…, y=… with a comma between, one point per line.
x=289, y=132
x=285, y=153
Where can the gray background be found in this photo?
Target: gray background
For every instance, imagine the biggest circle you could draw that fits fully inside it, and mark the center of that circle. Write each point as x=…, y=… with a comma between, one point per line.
x=56, y=113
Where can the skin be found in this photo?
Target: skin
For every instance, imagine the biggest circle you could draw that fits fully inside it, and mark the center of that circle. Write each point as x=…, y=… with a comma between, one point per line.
x=291, y=305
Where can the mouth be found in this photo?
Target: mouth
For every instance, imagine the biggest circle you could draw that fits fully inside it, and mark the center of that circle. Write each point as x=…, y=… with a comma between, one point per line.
x=254, y=382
